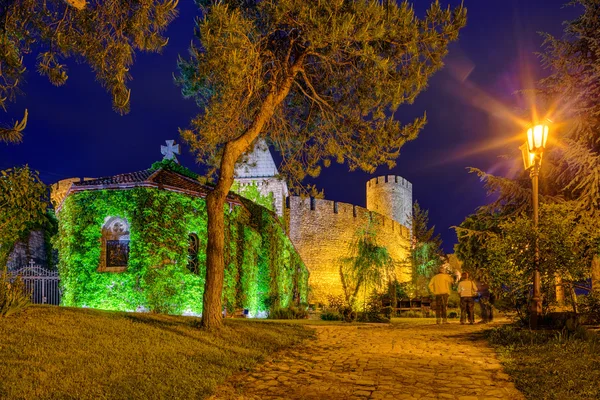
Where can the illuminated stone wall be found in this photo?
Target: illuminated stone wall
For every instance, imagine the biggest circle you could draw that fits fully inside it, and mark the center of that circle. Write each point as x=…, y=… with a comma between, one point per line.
x=322, y=231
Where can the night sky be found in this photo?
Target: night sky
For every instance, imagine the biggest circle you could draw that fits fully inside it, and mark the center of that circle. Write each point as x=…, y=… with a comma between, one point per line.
x=73, y=132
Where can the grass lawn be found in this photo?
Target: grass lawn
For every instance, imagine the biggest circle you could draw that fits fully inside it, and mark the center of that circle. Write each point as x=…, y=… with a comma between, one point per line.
x=550, y=365
x=50, y=352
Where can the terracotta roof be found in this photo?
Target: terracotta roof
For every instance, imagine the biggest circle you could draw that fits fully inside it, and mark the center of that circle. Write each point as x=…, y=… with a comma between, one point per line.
x=161, y=179
x=132, y=177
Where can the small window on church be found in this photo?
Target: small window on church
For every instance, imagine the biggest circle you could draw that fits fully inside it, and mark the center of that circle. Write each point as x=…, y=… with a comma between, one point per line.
x=193, y=250
x=114, y=253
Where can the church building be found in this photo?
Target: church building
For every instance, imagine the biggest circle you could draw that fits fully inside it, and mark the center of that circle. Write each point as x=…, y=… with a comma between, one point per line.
x=136, y=241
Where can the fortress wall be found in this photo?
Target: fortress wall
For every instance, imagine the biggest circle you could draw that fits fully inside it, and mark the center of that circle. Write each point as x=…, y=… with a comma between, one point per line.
x=322, y=231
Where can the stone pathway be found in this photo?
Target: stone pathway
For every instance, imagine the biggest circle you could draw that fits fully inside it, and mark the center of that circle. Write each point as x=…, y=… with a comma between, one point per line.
x=405, y=360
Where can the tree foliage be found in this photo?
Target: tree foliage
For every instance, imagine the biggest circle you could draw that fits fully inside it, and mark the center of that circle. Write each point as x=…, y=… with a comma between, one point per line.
x=105, y=34
x=369, y=268
x=574, y=89
x=340, y=68
x=501, y=251
x=569, y=178
x=320, y=79
x=426, y=252
x=23, y=202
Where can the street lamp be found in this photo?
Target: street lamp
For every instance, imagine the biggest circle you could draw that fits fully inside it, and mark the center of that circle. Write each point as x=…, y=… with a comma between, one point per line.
x=532, y=151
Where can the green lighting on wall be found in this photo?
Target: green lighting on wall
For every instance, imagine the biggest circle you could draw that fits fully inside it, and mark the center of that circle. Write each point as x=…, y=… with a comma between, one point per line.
x=262, y=268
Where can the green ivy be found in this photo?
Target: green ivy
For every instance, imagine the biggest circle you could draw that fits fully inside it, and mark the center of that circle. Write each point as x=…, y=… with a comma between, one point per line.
x=260, y=262
x=175, y=167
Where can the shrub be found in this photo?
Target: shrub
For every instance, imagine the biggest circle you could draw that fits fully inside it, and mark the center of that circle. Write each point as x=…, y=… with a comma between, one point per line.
x=335, y=302
x=331, y=316
x=411, y=314
x=348, y=314
x=13, y=295
x=452, y=314
x=288, y=313
x=589, y=307
x=387, y=311
x=368, y=316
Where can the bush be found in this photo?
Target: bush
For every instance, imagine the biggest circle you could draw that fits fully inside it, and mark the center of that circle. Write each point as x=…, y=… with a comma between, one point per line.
x=348, y=314
x=387, y=311
x=288, y=313
x=13, y=295
x=589, y=307
x=331, y=316
x=372, y=317
x=411, y=314
x=452, y=314
x=335, y=302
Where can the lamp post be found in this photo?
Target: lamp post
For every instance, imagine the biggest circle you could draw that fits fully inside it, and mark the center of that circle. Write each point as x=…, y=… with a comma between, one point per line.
x=532, y=152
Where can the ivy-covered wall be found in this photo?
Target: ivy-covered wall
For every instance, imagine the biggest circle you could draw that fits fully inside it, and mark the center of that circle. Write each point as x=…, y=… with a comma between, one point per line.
x=262, y=268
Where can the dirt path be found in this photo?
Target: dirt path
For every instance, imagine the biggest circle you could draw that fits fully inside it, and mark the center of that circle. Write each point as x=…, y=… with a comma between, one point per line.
x=406, y=360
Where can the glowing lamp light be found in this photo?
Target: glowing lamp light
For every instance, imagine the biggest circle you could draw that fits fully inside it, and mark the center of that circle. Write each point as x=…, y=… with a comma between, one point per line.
x=536, y=138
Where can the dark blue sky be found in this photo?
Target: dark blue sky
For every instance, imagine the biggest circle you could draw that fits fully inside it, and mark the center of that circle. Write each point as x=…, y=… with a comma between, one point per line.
x=73, y=132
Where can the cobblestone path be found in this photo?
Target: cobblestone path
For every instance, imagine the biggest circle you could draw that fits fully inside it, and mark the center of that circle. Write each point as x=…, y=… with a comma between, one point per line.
x=406, y=360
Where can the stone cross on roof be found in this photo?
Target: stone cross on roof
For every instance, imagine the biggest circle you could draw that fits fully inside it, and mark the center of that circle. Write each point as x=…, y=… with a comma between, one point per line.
x=170, y=150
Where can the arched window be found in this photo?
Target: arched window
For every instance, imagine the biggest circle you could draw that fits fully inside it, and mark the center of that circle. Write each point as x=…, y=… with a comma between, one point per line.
x=193, y=250
x=114, y=253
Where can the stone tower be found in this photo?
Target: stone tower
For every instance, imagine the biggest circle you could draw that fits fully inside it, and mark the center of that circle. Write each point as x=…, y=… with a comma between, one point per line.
x=258, y=168
x=391, y=196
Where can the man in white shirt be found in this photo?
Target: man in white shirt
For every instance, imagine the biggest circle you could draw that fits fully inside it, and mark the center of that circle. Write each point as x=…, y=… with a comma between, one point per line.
x=440, y=286
x=467, y=291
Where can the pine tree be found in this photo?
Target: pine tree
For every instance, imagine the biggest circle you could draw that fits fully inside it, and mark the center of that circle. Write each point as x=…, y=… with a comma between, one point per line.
x=103, y=33
x=320, y=80
x=571, y=168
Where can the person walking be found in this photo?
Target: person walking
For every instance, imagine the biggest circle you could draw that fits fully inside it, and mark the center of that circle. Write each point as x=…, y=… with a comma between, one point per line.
x=440, y=285
x=486, y=302
x=467, y=291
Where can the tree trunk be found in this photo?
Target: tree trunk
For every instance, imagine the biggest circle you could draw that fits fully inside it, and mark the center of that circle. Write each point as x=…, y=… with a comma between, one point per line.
x=596, y=274
x=215, y=201
x=213, y=287
x=559, y=289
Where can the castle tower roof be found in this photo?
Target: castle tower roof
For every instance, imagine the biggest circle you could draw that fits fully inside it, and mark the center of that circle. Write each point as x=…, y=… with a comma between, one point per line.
x=257, y=164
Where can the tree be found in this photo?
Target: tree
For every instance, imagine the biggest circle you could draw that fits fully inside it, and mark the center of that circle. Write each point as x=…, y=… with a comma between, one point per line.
x=566, y=249
x=574, y=62
x=370, y=266
x=426, y=252
x=320, y=79
x=23, y=203
x=104, y=33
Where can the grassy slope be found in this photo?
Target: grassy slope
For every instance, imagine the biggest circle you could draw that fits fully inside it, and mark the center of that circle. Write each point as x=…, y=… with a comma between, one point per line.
x=550, y=365
x=52, y=352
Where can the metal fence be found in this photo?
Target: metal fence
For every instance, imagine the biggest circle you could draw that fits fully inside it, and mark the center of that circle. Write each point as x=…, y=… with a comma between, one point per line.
x=41, y=283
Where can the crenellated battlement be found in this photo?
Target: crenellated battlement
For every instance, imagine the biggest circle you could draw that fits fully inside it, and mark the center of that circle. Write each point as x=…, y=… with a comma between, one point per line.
x=391, y=196
x=389, y=180
x=338, y=212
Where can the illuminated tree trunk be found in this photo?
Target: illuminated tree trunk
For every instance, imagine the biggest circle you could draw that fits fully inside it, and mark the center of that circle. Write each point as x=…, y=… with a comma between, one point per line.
x=559, y=289
x=596, y=274
x=215, y=200
x=213, y=287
